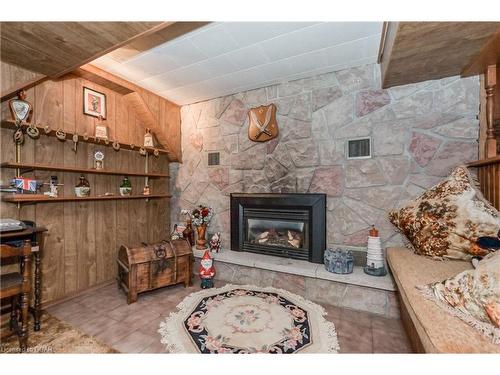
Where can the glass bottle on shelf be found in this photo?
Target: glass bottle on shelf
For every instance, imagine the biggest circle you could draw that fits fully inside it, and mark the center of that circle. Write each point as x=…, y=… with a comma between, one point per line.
x=188, y=233
x=82, y=189
x=125, y=187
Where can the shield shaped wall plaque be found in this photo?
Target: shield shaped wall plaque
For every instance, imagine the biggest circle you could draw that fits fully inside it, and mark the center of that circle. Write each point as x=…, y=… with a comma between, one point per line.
x=262, y=123
x=20, y=108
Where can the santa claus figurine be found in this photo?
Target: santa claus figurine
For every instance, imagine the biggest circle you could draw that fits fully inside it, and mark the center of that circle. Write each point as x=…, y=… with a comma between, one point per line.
x=207, y=271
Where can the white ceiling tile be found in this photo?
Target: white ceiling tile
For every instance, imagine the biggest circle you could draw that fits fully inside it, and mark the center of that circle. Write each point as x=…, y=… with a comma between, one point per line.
x=218, y=66
x=246, y=33
x=319, y=36
x=304, y=62
x=225, y=58
x=214, y=41
x=182, y=53
x=248, y=57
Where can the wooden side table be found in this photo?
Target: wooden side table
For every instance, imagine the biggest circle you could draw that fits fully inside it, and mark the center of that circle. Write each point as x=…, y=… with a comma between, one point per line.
x=35, y=234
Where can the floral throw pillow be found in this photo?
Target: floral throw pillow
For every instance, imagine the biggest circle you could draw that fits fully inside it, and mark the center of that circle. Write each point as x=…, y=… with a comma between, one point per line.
x=473, y=296
x=447, y=220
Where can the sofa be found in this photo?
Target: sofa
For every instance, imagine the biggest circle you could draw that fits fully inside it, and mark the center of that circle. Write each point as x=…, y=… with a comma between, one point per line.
x=430, y=328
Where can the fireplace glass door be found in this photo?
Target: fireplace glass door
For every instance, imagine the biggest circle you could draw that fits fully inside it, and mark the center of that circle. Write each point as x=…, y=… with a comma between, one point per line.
x=277, y=232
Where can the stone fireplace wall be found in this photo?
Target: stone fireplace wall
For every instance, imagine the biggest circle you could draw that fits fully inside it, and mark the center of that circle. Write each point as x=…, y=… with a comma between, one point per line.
x=419, y=132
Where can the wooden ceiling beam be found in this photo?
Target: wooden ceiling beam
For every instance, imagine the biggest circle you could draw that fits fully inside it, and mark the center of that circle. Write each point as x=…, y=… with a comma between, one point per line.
x=56, y=48
x=420, y=51
x=489, y=55
x=15, y=78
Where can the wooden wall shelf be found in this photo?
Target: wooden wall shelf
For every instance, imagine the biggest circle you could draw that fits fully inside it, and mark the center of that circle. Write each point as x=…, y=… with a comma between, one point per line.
x=36, y=198
x=9, y=124
x=44, y=167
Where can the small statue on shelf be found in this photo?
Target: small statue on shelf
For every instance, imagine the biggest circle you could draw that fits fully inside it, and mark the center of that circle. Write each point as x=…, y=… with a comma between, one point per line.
x=207, y=271
x=215, y=243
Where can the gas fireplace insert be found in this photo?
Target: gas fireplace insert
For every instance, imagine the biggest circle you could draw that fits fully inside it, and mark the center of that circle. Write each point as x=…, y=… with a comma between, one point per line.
x=285, y=225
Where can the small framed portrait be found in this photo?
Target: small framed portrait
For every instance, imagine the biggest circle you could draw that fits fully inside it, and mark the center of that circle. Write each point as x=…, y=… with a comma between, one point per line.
x=94, y=103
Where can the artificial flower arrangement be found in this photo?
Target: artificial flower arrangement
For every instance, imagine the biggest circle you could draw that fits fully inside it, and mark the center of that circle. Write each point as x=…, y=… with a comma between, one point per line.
x=200, y=215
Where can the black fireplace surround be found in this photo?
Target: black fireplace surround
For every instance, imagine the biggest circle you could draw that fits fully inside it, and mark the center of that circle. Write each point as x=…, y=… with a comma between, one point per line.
x=285, y=225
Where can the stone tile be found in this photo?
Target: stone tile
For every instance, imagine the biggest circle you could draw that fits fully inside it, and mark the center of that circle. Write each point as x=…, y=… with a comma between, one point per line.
x=388, y=324
x=324, y=292
x=423, y=147
x=389, y=139
x=355, y=78
x=304, y=153
x=461, y=128
x=365, y=299
x=333, y=313
x=328, y=180
x=386, y=341
x=135, y=342
x=156, y=347
x=96, y=325
x=356, y=317
x=323, y=96
x=363, y=173
x=293, y=283
x=370, y=100
x=115, y=333
x=339, y=112
x=395, y=169
x=451, y=154
x=354, y=338
x=235, y=112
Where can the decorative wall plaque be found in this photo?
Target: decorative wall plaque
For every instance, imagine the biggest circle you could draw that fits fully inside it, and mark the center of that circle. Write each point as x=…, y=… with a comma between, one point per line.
x=262, y=123
x=20, y=108
x=101, y=130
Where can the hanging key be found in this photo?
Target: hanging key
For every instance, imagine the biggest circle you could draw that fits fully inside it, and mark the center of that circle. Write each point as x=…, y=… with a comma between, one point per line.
x=75, y=142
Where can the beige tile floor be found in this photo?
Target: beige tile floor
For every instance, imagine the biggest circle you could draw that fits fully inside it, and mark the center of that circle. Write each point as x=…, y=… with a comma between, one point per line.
x=104, y=313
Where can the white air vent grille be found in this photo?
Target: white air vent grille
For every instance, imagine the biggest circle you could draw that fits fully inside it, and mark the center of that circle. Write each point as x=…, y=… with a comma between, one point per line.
x=359, y=148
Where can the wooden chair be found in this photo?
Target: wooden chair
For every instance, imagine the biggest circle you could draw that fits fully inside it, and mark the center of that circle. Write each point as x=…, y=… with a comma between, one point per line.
x=17, y=286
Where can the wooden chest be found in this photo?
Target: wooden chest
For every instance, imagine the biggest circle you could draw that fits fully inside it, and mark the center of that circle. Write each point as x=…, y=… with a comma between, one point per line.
x=150, y=267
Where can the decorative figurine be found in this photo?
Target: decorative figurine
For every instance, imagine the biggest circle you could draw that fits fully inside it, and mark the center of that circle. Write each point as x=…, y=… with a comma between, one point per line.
x=53, y=186
x=339, y=261
x=148, y=138
x=175, y=235
x=215, y=243
x=125, y=187
x=99, y=160
x=207, y=271
x=188, y=233
x=375, y=264
x=145, y=190
x=82, y=189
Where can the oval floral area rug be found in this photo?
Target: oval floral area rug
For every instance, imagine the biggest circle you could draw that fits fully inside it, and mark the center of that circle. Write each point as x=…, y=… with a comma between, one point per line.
x=248, y=319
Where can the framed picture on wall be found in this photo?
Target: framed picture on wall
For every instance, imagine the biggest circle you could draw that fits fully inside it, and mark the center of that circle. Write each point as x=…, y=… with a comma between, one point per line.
x=94, y=103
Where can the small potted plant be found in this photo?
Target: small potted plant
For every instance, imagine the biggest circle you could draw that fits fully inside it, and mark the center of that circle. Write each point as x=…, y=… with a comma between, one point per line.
x=200, y=217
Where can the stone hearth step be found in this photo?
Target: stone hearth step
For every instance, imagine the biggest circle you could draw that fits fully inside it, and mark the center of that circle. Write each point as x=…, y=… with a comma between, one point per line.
x=300, y=268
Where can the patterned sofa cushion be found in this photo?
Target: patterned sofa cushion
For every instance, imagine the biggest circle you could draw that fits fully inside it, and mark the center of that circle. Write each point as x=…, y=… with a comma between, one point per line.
x=473, y=296
x=447, y=220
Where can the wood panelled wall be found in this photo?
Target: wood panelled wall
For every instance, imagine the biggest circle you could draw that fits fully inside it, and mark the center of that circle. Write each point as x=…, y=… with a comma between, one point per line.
x=83, y=237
